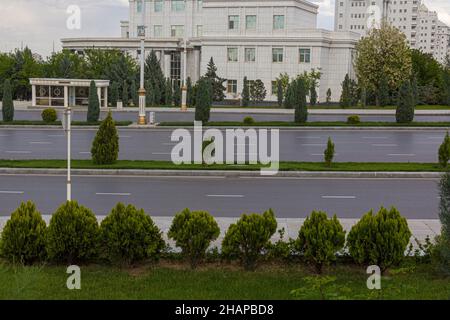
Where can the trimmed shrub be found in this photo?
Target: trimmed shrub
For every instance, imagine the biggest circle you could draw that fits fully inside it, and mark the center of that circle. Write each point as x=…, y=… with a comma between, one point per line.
x=193, y=232
x=49, y=115
x=93, y=113
x=329, y=153
x=105, y=147
x=380, y=239
x=23, y=237
x=7, y=102
x=353, y=119
x=129, y=235
x=249, y=120
x=301, y=108
x=73, y=234
x=319, y=239
x=247, y=238
x=444, y=151
x=203, y=101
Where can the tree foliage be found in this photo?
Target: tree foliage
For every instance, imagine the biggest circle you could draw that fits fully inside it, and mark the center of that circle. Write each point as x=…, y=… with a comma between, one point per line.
x=93, y=113
x=7, y=103
x=444, y=151
x=246, y=93
x=258, y=91
x=405, y=104
x=217, y=83
x=105, y=147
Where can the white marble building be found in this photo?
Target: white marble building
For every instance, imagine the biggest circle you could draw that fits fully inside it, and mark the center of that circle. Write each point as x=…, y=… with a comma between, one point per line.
x=255, y=38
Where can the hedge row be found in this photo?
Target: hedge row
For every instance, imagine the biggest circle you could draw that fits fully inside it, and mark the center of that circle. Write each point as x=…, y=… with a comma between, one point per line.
x=128, y=235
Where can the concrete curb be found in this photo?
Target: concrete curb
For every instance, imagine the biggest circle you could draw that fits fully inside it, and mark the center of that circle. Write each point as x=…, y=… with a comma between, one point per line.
x=222, y=173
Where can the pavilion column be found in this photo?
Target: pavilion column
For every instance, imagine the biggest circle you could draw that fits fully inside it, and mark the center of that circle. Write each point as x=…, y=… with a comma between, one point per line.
x=106, y=98
x=66, y=97
x=99, y=93
x=196, y=75
x=167, y=64
x=33, y=95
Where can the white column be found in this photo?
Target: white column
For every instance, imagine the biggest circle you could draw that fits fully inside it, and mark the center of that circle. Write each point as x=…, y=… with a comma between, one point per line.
x=66, y=97
x=99, y=94
x=197, y=66
x=33, y=95
x=167, y=64
x=106, y=97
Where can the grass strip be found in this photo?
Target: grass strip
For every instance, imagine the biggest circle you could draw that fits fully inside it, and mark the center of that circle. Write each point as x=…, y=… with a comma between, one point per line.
x=308, y=124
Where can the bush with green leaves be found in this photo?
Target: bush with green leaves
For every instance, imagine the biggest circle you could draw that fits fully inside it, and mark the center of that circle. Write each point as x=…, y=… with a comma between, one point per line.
x=23, y=237
x=129, y=235
x=73, y=234
x=93, y=113
x=49, y=115
x=329, y=153
x=444, y=151
x=380, y=239
x=353, y=119
x=249, y=120
x=246, y=239
x=320, y=239
x=7, y=102
x=193, y=232
x=105, y=147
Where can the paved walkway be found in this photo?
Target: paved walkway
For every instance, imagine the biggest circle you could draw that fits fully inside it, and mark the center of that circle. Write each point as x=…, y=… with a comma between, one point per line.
x=419, y=228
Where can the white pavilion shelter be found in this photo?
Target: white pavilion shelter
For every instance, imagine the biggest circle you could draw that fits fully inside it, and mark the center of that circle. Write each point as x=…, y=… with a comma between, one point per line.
x=48, y=92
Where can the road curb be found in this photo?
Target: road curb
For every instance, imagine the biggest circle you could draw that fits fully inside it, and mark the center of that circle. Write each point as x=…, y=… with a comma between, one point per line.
x=222, y=173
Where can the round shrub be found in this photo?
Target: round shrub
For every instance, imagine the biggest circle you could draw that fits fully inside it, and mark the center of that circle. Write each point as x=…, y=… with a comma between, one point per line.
x=23, y=237
x=129, y=235
x=49, y=115
x=319, y=239
x=193, y=232
x=249, y=121
x=379, y=239
x=247, y=238
x=354, y=119
x=73, y=234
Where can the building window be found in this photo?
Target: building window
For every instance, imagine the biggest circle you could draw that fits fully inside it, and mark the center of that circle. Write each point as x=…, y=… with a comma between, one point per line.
x=178, y=5
x=177, y=31
x=233, y=22
x=275, y=87
x=305, y=55
x=199, y=30
x=159, y=5
x=139, y=6
x=199, y=4
x=232, y=54
x=250, y=22
x=277, y=55
x=157, y=31
x=250, y=54
x=278, y=22
x=232, y=86
x=175, y=66
x=141, y=31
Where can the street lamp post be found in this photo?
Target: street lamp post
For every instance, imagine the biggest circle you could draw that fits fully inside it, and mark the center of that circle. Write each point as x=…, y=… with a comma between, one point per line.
x=67, y=127
x=142, y=119
x=184, y=87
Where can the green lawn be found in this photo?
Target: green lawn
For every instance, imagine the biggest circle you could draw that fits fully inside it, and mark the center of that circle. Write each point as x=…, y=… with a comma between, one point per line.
x=213, y=282
x=167, y=165
x=338, y=107
x=308, y=124
x=57, y=123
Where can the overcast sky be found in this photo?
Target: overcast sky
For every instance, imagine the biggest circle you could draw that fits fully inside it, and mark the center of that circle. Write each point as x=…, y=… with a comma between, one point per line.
x=40, y=23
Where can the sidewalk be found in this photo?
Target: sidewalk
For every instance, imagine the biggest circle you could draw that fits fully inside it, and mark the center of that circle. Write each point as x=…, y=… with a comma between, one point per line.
x=419, y=228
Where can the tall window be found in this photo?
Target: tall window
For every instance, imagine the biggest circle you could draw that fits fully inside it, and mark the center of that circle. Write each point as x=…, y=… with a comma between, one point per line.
x=159, y=5
x=278, y=22
x=232, y=86
x=178, y=5
x=157, y=31
x=233, y=22
x=250, y=22
x=277, y=55
x=232, y=54
x=139, y=6
x=305, y=55
x=177, y=31
x=250, y=54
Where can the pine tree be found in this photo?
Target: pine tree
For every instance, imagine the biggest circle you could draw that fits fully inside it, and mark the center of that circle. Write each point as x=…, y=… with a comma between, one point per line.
x=134, y=93
x=149, y=94
x=245, y=94
x=301, y=108
x=105, y=147
x=154, y=73
x=257, y=91
x=125, y=94
x=328, y=97
x=415, y=89
x=405, y=104
x=346, y=99
x=218, y=88
x=8, y=104
x=313, y=94
x=189, y=100
x=203, y=100
x=177, y=95
x=93, y=113
x=168, y=93
x=289, y=100
x=444, y=151
x=114, y=94
x=156, y=94
x=280, y=93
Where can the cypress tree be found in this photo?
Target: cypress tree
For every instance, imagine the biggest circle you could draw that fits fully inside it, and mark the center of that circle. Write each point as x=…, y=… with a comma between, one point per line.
x=280, y=93
x=189, y=100
x=168, y=93
x=203, y=100
x=313, y=93
x=405, y=104
x=93, y=113
x=289, y=100
x=444, y=151
x=245, y=94
x=329, y=152
x=105, y=147
x=177, y=94
x=125, y=94
x=114, y=94
x=345, y=100
x=301, y=108
x=7, y=102
x=216, y=82
x=134, y=93
x=328, y=96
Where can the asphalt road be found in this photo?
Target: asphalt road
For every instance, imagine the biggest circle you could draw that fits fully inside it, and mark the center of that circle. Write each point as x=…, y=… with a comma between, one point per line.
x=226, y=197
x=186, y=117
x=295, y=145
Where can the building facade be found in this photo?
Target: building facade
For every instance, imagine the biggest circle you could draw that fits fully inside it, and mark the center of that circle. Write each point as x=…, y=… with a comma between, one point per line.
x=421, y=26
x=257, y=39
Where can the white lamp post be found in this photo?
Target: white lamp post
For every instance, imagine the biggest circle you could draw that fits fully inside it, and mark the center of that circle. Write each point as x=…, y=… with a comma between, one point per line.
x=67, y=127
x=142, y=119
x=184, y=87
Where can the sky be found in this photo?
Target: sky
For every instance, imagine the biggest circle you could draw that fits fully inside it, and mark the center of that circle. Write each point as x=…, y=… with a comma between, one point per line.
x=40, y=24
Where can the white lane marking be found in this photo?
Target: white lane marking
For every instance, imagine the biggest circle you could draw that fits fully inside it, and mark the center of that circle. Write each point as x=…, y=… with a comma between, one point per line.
x=55, y=135
x=20, y=152
x=320, y=154
x=124, y=136
x=314, y=144
x=12, y=192
x=375, y=137
x=309, y=137
x=40, y=142
x=338, y=197
x=113, y=194
x=225, y=196
x=84, y=152
x=436, y=138
x=401, y=155
x=384, y=145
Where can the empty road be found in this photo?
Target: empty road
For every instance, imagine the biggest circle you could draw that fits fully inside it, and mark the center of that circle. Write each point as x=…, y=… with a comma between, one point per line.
x=226, y=197
x=295, y=145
